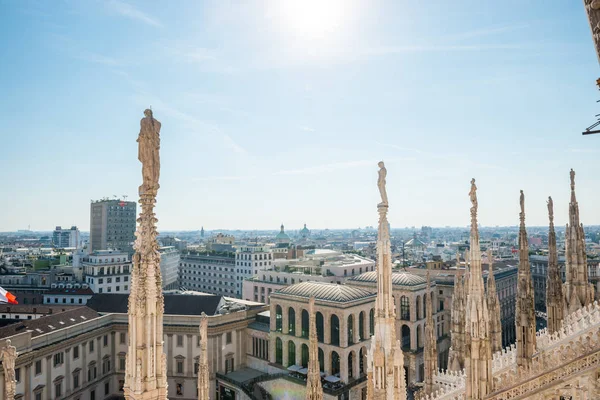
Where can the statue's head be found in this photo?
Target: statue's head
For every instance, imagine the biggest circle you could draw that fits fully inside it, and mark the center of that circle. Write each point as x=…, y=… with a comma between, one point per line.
x=8, y=342
x=380, y=164
x=148, y=113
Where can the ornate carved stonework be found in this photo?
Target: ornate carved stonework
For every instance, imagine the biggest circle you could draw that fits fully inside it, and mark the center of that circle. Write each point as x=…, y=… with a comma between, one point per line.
x=494, y=307
x=146, y=373
x=592, y=7
x=314, y=390
x=478, y=354
x=525, y=310
x=577, y=291
x=554, y=289
x=456, y=356
x=385, y=360
x=203, y=373
x=8, y=356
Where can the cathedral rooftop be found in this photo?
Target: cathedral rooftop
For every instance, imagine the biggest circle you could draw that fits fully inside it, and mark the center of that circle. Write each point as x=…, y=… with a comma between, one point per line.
x=326, y=292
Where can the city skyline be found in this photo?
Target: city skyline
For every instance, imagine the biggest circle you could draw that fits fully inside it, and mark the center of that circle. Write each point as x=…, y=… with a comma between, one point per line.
x=267, y=122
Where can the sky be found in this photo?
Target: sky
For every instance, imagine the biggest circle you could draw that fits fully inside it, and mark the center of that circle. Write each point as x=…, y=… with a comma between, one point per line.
x=278, y=111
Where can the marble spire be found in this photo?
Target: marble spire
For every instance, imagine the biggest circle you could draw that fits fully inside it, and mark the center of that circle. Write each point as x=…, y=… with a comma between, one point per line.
x=385, y=360
x=146, y=365
x=314, y=390
x=554, y=286
x=578, y=292
x=478, y=354
x=456, y=356
x=203, y=373
x=525, y=309
x=430, y=355
x=494, y=307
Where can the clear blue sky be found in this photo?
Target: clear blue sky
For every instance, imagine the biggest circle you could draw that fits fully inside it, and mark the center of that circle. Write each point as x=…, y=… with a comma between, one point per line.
x=274, y=112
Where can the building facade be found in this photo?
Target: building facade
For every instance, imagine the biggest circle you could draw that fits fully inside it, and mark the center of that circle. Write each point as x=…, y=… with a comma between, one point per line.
x=68, y=293
x=63, y=238
x=169, y=267
x=112, y=225
x=107, y=271
x=210, y=273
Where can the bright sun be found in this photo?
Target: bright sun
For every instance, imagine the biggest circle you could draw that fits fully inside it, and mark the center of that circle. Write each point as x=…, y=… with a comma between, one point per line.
x=312, y=19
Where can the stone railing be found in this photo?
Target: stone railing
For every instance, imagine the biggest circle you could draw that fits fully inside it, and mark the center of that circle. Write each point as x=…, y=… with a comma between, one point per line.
x=576, y=346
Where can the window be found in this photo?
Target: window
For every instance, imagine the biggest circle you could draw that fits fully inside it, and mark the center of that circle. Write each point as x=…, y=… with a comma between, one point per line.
x=106, y=365
x=18, y=374
x=228, y=365
x=404, y=308
x=105, y=340
x=76, y=379
x=38, y=396
x=179, y=389
x=179, y=340
x=92, y=371
x=75, y=352
x=58, y=359
x=122, y=337
x=180, y=366
x=93, y=395
x=91, y=346
x=38, y=367
x=58, y=389
x=228, y=338
x=106, y=388
x=122, y=364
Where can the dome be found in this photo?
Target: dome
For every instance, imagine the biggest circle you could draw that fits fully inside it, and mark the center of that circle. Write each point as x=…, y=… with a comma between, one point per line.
x=304, y=232
x=282, y=237
x=398, y=278
x=326, y=291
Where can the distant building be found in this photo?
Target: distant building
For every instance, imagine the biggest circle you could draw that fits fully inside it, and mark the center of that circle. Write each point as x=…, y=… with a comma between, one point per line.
x=63, y=238
x=209, y=273
x=70, y=294
x=169, y=267
x=107, y=271
x=112, y=225
x=282, y=237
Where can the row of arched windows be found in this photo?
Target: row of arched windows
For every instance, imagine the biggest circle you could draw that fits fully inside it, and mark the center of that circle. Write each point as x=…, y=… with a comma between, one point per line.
x=293, y=358
x=334, y=325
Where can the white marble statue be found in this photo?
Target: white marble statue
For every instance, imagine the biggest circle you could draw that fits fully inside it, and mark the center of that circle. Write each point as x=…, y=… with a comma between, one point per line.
x=148, y=151
x=8, y=356
x=381, y=184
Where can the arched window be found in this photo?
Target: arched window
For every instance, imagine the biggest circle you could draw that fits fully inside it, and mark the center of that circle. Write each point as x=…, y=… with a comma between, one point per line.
x=350, y=329
x=350, y=364
x=335, y=363
x=404, y=308
x=405, y=336
x=419, y=337
x=304, y=324
x=321, y=360
x=362, y=354
x=419, y=315
x=291, y=353
x=361, y=325
x=335, y=330
x=278, y=318
x=304, y=355
x=292, y=321
x=320, y=327
x=372, y=322
x=278, y=351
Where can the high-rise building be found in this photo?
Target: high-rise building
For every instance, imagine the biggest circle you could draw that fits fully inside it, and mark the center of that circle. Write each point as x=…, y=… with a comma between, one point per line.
x=63, y=238
x=169, y=267
x=112, y=225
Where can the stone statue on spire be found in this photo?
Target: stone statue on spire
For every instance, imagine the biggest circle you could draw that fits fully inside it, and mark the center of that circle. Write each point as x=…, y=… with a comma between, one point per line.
x=148, y=151
x=473, y=195
x=381, y=185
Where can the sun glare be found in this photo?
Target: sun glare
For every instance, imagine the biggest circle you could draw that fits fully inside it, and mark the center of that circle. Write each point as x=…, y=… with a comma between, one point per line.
x=313, y=19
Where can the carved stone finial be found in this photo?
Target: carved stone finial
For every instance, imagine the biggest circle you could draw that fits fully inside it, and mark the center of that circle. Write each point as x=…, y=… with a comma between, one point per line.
x=522, y=203
x=551, y=210
x=572, y=173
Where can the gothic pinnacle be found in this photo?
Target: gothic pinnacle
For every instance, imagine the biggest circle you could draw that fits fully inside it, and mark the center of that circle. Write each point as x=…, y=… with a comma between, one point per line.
x=554, y=285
